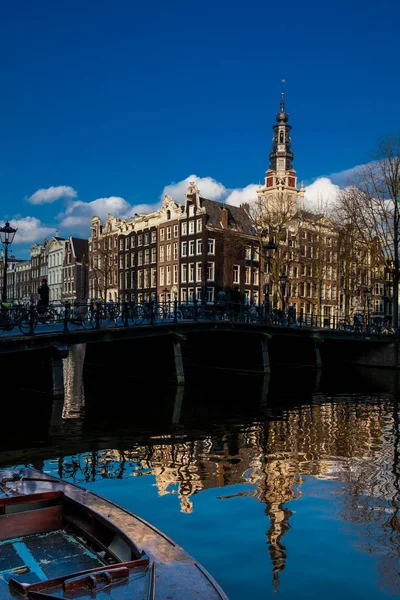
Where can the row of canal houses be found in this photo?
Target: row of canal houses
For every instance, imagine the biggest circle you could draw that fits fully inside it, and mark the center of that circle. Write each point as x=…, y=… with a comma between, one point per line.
x=62, y=261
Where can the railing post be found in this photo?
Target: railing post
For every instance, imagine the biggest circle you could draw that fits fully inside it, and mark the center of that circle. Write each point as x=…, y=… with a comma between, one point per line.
x=31, y=318
x=97, y=314
x=195, y=308
x=175, y=310
x=125, y=313
x=151, y=312
x=66, y=317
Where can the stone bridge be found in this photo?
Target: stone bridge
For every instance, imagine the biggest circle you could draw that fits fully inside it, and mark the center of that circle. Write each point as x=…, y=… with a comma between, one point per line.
x=167, y=351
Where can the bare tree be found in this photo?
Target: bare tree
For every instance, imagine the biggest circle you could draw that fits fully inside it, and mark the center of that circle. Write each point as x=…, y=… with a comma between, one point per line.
x=103, y=268
x=371, y=202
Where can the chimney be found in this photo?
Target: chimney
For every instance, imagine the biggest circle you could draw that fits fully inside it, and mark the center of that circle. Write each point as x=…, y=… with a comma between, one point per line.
x=224, y=217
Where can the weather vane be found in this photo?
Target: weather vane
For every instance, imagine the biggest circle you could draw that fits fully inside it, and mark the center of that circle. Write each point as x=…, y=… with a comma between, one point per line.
x=283, y=84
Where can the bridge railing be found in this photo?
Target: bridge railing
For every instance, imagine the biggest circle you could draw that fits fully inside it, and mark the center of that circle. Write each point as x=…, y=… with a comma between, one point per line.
x=32, y=318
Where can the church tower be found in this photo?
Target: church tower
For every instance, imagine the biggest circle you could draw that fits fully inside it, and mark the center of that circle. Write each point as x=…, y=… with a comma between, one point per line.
x=280, y=191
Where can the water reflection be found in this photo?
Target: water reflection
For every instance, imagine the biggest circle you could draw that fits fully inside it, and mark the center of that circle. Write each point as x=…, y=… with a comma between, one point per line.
x=74, y=394
x=303, y=440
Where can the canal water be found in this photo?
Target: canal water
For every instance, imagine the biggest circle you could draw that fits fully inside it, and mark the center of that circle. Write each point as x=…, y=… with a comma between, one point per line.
x=284, y=487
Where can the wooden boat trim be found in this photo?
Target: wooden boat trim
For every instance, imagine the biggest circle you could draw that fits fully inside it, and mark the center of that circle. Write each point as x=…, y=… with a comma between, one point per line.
x=25, y=588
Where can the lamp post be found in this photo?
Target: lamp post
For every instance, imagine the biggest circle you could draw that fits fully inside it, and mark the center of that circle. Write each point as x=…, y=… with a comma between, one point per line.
x=283, y=283
x=7, y=234
x=269, y=250
x=367, y=294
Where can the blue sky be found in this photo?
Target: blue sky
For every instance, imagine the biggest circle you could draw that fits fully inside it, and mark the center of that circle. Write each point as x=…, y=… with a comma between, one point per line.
x=117, y=100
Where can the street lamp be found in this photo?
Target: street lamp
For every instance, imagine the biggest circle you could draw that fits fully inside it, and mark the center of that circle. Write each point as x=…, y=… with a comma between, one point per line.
x=367, y=292
x=7, y=234
x=269, y=250
x=283, y=283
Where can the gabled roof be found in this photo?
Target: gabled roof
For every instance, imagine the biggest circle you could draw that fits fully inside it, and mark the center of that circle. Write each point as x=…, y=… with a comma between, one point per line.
x=238, y=219
x=80, y=247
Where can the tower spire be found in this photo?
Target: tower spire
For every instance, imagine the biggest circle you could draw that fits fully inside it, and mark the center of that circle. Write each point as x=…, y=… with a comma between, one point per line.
x=283, y=96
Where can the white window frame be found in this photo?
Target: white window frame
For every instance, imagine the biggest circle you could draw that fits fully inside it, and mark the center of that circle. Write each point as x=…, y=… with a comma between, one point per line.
x=191, y=227
x=211, y=246
x=162, y=234
x=176, y=229
x=184, y=228
x=162, y=276
x=236, y=273
x=199, y=271
x=210, y=294
x=199, y=225
x=211, y=271
x=184, y=273
x=184, y=248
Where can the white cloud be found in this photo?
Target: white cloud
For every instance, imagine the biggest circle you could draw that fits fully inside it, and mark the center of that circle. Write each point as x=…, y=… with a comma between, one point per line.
x=209, y=188
x=237, y=196
x=51, y=194
x=321, y=194
x=76, y=217
x=30, y=230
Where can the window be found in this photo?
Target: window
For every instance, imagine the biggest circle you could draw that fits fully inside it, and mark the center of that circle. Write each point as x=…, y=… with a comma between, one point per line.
x=132, y=241
x=162, y=233
x=146, y=278
x=153, y=237
x=184, y=273
x=168, y=275
x=168, y=251
x=236, y=273
x=146, y=238
x=191, y=272
x=140, y=258
x=161, y=253
x=255, y=276
x=248, y=253
x=184, y=249
x=175, y=250
x=175, y=274
x=168, y=233
x=190, y=294
x=184, y=228
x=198, y=225
x=210, y=271
x=191, y=210
x=153, y=255
x=191, y=247
x=198, y=271
x=121, y=244
x=132, y=279
x=126, y=261
x=191, y=227
x=140, y=240
x=256, y=254
x=210, y=294
x=247, y=276
x=153, y=278
x=140, y=279
x=162, y=275
x=211, y=246
x=183, y=295
x=199, y=246
x=175, y=230
x=121, y=262
x=146, y=256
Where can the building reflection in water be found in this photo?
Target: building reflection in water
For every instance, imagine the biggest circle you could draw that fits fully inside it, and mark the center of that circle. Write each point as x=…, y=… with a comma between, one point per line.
x=353, y=443
x=74, y=394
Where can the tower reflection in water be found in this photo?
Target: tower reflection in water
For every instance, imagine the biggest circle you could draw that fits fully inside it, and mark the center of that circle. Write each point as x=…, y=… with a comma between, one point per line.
x=270, y=446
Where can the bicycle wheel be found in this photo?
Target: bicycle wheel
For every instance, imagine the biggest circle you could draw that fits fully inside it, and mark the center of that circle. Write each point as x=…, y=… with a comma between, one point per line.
x=25, y=325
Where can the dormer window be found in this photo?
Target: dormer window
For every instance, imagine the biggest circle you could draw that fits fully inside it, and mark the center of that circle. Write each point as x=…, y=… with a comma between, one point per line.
x=168, y=214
